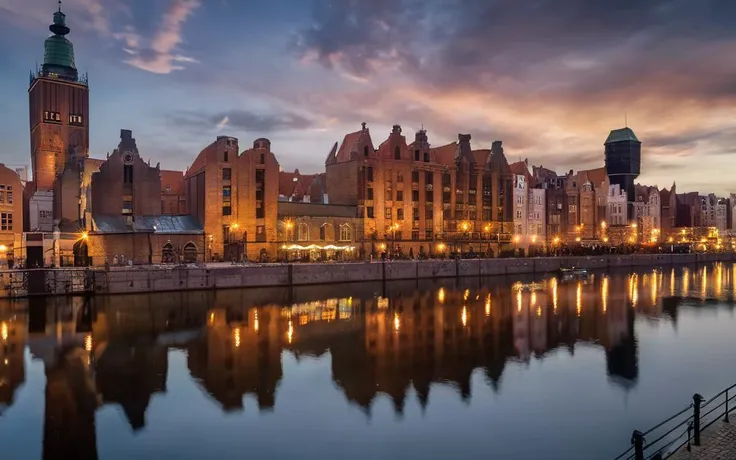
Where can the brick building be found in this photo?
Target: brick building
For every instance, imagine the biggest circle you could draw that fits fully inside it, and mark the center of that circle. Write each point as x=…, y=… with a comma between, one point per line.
x=587, y=202
x=235, y=198
x=647, y=213
x=413, y=196
x=173, y=199
x=529, y=208
x=556, y=213
x=313, y=231
x=11, y=215
x=306, y=188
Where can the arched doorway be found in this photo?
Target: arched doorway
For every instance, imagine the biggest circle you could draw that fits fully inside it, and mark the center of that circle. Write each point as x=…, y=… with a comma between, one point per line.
x=81, y=254
x=190, y=253
x=167, y=254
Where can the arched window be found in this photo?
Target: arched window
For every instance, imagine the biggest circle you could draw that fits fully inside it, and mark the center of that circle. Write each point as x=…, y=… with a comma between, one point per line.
x=397, y=153
x=346, y=233
x=327, y=232
x=303, y=232
x=365, y=151
x=190, y=253
x=167, y=254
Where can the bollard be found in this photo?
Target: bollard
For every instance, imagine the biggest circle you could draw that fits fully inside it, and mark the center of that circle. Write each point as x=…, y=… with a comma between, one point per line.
x=637, y=439
x=697, y=400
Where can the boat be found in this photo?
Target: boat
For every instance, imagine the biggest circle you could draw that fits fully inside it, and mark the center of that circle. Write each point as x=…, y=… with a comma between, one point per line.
x=573, y=273
x=528, y=287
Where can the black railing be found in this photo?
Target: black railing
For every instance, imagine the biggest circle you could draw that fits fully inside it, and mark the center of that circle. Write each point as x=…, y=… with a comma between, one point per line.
x=681, y=429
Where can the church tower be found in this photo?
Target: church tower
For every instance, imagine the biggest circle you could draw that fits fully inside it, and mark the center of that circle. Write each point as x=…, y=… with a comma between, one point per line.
x=58, y=109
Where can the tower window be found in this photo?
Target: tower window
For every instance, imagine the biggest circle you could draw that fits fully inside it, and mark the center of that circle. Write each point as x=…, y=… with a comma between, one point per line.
x=128, y=174
x=225, y=156
x=75, y=119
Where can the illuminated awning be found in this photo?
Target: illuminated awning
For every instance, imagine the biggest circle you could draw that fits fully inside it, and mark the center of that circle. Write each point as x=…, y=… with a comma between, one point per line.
x=329, y=247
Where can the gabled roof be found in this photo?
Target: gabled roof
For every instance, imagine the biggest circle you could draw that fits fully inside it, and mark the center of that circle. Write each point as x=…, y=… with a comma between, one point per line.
x=296, y=185
x=197, y=165
x=621, y=135
x=595, y=176
x=520, y=168
x=481, y=157
x=350, y=144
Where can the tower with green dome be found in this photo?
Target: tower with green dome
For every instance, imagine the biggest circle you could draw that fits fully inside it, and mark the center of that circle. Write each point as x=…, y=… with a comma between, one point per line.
x=59, y=109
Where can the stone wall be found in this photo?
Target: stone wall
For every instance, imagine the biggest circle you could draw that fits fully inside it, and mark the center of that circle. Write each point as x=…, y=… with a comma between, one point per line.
x=20, y=283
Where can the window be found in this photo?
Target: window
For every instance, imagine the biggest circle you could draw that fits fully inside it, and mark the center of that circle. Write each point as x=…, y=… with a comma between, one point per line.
x=428, y=234
x=346, y=233
x=415, y=177
x=428, y=177
x=167, y=189
x=260, y=212
x=415, y=195
x=224, y=156
x=399, y=195
x=75, y=119
x=227, y=210
x=6, y=221
x=397, y=153
x=429, y=196
x=303, y=232
x=573, y=208
x=365, y=151
x=369, y=212
x=389, y=194
x=260, y=175
x=518, y=214
x=322, y=233
x=399, y=177
x=226, y=193
x=388, y=213
x=400, y=214
x=415, y=213
x=128, y=174
x=446, y=180
x=428, y=214
x=227, y=173
x=262, y=159
x=415, y=235
x=426, y=157
x=51, y=116
x=369, y=194
x=519, y=199
x=369, y=173
x=128, y=205
x=416, y=155
x=10, y=197
x=260, y=234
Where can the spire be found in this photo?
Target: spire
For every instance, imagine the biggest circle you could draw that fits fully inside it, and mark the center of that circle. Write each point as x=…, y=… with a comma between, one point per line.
x=58, y=57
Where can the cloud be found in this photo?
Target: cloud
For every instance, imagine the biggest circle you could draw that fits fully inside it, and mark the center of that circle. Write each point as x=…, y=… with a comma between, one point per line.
x=241, y=120
x=161, y=56
x=85, y=14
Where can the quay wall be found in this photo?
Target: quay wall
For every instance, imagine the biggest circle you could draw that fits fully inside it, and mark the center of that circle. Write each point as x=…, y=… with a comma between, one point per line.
x=22, y=283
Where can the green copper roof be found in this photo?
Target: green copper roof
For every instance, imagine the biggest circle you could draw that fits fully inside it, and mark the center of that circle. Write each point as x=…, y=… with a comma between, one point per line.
x=621, y=135
x=58, y=56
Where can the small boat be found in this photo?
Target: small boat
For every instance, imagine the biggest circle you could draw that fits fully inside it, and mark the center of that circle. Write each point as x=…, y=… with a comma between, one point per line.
x=573, y=273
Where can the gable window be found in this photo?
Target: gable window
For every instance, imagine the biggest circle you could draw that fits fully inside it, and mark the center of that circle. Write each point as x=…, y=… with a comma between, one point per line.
x=397, y=153
x=365, y=151
x=128, y=174
x=426, y=157
x=416, y=155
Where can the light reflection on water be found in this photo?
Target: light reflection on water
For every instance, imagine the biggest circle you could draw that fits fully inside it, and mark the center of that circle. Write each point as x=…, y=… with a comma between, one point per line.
x=437, y=369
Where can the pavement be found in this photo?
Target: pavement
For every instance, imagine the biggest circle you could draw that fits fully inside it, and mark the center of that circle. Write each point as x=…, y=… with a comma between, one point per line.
x=718, y=442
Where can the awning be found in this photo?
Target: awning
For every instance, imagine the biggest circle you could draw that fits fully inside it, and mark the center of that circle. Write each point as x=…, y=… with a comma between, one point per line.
x=329, y=247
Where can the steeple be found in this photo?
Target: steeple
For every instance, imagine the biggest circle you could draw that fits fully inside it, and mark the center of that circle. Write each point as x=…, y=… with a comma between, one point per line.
x=58, y=56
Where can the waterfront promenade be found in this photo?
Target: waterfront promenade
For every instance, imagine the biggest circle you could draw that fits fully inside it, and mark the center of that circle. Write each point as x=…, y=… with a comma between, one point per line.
x=717, y=443
x=138, y=279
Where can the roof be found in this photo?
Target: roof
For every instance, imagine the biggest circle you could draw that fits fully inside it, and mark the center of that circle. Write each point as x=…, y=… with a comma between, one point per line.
x=595, y=176
x=105, y=223
x=198, y=164
x=521, y=168
x=350, y=144
x=621, y=135
x=294, y=184
x=481, y=156
x=445, y=154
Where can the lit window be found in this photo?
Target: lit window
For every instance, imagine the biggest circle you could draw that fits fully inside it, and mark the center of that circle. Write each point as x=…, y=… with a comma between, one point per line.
x=303, y=232
x=6, y=221
x=346, y=233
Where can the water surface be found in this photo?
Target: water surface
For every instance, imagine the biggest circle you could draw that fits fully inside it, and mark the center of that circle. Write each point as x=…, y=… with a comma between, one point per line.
x=468, y=368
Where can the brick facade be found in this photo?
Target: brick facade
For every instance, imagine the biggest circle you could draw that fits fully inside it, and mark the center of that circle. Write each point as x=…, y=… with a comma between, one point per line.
x=140, y=248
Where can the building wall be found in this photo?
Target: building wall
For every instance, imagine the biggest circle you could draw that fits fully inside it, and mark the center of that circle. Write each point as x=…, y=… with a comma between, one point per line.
x=616, y=207
x=306, y=224
x=11, y=207
x=173, y=198
x=139, y=246
x=111, y=189
x=54, y=141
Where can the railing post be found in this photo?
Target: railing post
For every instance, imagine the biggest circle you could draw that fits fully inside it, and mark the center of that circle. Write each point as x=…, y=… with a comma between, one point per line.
x=697, y=400
x=726, y=418
x=689, y=434
x=637, y=439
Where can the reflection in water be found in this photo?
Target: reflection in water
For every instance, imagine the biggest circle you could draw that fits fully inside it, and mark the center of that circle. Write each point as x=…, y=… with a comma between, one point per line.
x=385, y=340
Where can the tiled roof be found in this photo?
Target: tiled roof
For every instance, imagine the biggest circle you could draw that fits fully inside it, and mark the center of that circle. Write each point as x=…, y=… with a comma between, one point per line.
x=595, y=176
x=520, y=168
x=349, y=145
x=296, y=185
x=105, y=223
x=445, y=154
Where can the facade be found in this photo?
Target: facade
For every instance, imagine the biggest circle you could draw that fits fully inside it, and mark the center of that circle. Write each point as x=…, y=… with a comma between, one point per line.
x=587, y=196
x=556, y=212
x=319, y=232
x=529, y=208
x=417, y=197
x=11, y=215
x=714, y=212
x=173, y=199
x=616, y=207
x=647, y=214
x=235, y=198
x=668, y=201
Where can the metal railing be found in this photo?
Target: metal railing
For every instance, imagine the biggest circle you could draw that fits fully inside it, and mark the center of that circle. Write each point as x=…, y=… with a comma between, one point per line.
x=681, y=429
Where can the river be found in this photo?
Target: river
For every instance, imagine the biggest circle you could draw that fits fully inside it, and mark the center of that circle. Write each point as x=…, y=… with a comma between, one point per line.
x=453, y=368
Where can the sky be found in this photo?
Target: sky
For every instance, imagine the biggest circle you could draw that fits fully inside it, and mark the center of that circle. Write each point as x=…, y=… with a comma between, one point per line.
x=550, y=78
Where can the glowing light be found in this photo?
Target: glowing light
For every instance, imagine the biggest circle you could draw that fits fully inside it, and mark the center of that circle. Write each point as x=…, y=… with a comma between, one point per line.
x=466, y=294
x=670, y=240
x=211, y=319
x=290, y=333
x=4, y=331
x=653, y=288
x=605, y=239
x=255, y=321
x=441, y=295
x=488, y=305
x=397, y=322
x=672, y=282
x=236, y=337
x=88, y=342
x=703, y=283
x=554, y=295
x=289, y=224
x=85, y=235
x=604, y=294
x=465, y=226
x=534, y=298
x=556, y=240
x=579, y=298
x=464, y=316
x=3, y=248
x=539, y=312
x=517, y=238
x=534, y=239
x=634, y=225
x=685, y=281
x=441, y=247
x=518, y=301
x=487, y=228
x=603, y=224
x=234, y=226
x=382, y=247
x=577, y=239
x=634, y=289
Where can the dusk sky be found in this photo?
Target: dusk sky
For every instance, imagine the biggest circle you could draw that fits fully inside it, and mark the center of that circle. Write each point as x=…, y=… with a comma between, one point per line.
x=550, y=78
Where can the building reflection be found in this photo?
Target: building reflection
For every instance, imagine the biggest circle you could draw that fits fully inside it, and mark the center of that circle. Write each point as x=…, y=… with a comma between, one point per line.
x=385, y=339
